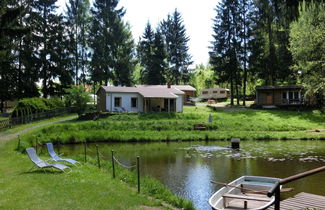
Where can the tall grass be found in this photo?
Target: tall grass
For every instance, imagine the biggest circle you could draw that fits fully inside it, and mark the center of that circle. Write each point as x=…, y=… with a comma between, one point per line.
x=226, y=124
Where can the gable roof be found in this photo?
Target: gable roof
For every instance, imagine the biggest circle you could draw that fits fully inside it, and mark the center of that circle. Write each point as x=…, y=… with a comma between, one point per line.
x=179, y=87
x=146, y=92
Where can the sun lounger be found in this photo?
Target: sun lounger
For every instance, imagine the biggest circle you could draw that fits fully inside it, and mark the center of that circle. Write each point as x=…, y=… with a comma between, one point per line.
x=56, y=157
x=43, y=164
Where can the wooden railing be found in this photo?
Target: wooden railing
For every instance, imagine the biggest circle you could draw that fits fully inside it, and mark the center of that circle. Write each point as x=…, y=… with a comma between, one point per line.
x=33, y=117
x=276, y=189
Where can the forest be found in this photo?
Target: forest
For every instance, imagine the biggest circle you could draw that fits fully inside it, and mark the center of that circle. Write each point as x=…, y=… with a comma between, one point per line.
x=255, y=42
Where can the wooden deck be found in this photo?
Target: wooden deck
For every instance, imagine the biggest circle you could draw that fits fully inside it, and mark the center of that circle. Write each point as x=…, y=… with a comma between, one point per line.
x=303, y=201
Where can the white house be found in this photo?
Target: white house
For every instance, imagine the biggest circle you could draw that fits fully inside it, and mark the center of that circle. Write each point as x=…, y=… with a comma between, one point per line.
x=139, y=99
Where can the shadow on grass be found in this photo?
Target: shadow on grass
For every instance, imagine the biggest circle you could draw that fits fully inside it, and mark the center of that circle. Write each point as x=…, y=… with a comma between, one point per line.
x=283, y=114
x=41, y=171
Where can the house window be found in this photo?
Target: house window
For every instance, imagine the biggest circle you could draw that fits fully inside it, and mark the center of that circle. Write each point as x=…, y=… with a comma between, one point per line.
x=134, y=102
x=205, y=92
x=117, y=101
x=295, y=95
x=222, y=92
x=284, y=95
x=215, y=91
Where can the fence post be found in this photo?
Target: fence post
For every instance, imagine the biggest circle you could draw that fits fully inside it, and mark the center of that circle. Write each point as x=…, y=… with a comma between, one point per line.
x=113, y=166
x=59, y=145
x=138, y=169
x=98, y=161
x=18, y=147
x=85, y=151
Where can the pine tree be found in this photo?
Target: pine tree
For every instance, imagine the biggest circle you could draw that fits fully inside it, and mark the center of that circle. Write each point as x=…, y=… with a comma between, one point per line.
x=176, y=40
x=47, y=46
x=11, y=31
x=224, y=54
x=145, y=52
x=112, y=44
x=78, y=23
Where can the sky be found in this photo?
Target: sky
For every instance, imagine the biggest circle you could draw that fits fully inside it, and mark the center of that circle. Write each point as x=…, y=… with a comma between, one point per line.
x=197, y=15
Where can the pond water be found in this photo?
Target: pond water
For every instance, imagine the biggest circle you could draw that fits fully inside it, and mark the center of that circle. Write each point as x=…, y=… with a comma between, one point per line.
x=186, y=168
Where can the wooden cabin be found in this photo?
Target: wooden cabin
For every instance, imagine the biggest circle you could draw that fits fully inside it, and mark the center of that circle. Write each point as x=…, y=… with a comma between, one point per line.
x=288, y=95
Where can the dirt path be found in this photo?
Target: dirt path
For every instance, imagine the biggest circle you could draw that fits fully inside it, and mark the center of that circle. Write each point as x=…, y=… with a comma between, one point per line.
x=5, y=138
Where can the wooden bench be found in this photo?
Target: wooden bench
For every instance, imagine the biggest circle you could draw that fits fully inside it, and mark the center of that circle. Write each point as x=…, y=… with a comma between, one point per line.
x=245, y=197
x=200, y=127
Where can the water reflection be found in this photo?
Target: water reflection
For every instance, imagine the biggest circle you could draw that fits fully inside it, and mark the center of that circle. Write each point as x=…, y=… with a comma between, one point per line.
x=187, y=167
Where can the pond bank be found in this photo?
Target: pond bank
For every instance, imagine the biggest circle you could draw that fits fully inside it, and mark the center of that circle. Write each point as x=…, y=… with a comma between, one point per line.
x=245, y=124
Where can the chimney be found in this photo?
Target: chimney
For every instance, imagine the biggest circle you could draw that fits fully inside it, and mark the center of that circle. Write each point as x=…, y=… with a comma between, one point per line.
x=168, y=85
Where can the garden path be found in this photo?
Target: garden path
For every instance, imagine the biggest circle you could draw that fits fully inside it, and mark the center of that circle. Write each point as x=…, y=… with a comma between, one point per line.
x=5, y=138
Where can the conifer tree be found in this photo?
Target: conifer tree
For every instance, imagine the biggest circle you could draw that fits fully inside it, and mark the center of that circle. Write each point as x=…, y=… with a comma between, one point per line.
x=112, y=44
x=78, y=28
x=226, y=45
x=176, y=42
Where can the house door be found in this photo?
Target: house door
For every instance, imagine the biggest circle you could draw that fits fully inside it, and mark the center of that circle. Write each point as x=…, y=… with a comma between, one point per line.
x=269, y=98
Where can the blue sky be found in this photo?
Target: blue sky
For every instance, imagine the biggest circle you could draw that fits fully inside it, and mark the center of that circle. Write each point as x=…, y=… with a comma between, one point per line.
x=197, y=16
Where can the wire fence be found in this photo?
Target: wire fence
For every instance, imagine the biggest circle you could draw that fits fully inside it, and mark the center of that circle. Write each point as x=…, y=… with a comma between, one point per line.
x=114, y=160
x=8, y=123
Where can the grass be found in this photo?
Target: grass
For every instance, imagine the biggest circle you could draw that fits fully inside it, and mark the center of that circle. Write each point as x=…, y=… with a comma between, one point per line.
x=86, y=187
x=28, y=125
x=227, y=123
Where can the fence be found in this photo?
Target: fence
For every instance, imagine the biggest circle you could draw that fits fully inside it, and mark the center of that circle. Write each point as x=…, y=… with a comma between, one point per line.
x=33, y=117
x=114, y=161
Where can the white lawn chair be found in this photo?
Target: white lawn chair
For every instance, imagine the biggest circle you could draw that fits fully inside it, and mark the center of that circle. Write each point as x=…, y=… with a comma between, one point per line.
x=56, y=157
x=43, y=164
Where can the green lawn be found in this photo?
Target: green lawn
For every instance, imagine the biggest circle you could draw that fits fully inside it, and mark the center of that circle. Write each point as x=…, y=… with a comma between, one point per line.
x=227, y=123
x=86, y=187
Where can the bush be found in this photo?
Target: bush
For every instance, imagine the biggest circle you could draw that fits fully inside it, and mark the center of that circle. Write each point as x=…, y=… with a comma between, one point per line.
x=28, y=106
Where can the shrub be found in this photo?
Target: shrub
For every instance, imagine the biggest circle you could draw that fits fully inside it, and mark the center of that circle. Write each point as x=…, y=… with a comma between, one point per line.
x=28, y=106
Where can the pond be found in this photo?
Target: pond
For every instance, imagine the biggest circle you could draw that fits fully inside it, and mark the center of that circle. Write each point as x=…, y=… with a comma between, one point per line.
x=187, y=168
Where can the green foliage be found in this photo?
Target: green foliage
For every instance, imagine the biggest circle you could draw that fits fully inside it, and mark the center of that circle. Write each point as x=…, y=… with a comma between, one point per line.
x=112, y=43
x=78, y=22
x=78, y=97
x=202, y=78
x=307, y=39
x=28, y=106
x=152, y=55
x=176, y=42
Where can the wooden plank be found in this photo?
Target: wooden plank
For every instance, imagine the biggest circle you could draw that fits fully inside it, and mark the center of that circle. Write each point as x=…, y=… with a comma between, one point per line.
x=246, y=197
x=301, y=201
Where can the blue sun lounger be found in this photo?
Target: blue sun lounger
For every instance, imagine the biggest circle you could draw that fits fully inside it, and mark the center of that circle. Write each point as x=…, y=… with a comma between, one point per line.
x=43, y=164
x=57, y=158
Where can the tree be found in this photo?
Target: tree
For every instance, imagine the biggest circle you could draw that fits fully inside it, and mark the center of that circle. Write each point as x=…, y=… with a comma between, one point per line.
x=224, y=54
x=78, y=24
x=176, y=40
x=307, y=45
x=270, y=58
x=202, y=78
x=112, y=44
x=11, y=31
x=78, y=97
x=47, y=47
x=152, y=55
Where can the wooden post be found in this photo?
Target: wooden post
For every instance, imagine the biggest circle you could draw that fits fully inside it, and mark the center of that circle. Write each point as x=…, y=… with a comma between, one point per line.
x=235, y=143
x=245, y=204
x=138, y=169
x=113, y=166
x=59, y=146
x=277, y=198
x=98, y=160
x=18, y=147
x=85, y=151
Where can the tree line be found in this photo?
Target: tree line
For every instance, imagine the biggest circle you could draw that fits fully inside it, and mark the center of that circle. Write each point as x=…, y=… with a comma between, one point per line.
x=254, y=42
